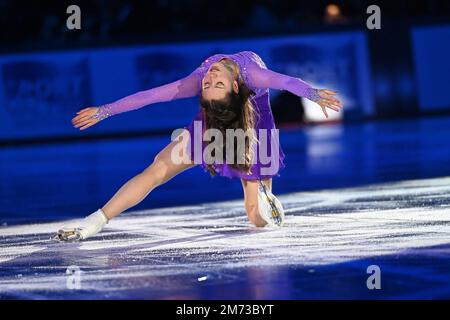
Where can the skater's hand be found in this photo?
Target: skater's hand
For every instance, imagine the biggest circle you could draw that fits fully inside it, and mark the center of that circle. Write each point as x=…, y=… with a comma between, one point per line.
x=327, y=100
x=84, y=118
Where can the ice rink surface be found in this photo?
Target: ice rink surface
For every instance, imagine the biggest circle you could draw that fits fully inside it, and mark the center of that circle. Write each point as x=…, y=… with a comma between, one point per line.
x=210, y=251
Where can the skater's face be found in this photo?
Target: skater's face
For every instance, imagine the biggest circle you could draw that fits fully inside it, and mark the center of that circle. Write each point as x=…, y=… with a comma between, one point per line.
x=218, y=81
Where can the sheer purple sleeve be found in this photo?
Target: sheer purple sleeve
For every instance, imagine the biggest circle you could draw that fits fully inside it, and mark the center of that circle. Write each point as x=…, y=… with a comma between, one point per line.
x=186, y=87
x=259, y=77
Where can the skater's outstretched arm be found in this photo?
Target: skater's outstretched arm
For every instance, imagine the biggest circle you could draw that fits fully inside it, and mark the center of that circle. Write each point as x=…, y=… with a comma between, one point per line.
x=186, y=87
x=264, y=78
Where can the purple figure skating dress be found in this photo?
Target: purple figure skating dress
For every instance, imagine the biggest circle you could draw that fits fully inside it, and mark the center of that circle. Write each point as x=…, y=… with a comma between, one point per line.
x=256, y=76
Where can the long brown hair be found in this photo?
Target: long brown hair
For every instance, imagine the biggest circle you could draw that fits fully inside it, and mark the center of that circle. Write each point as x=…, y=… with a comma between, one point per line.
x=235, y=111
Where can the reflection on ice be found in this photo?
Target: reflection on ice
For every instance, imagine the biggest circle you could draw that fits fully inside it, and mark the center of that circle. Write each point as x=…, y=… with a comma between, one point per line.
x=162, y=253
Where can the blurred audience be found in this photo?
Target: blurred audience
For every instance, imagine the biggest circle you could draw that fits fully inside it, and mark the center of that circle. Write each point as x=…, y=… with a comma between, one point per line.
x=42, y=23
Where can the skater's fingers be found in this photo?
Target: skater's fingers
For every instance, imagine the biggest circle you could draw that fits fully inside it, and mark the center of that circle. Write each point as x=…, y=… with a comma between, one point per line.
x=331, y=105
x=325, y=111
x=84, y=113
x=81, y=123
x=83, y=110
x=81, y=118
x=333, y=108
x=88, y=125
x=329, y=91
x=323, y=102
x=333, y=100
x=323, y=93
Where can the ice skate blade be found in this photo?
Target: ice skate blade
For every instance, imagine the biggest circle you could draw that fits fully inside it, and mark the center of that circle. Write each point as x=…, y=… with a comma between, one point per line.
x=276, y=217
x=67, y=235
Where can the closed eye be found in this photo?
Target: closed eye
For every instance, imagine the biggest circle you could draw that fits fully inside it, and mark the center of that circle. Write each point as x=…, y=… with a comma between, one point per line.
x=219, y=85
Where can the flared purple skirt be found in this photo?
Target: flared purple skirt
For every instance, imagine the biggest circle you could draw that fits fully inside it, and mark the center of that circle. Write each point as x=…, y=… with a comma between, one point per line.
x=266, y=166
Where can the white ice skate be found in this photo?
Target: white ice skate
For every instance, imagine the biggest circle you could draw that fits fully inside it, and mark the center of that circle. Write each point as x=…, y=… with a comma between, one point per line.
x=270, y=207
x=84, y=229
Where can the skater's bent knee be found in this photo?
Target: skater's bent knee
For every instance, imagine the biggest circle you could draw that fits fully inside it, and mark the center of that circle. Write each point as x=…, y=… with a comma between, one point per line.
x=156, y=173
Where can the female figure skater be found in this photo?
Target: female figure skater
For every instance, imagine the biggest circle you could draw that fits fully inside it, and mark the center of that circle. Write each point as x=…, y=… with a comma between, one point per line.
x=234, y=94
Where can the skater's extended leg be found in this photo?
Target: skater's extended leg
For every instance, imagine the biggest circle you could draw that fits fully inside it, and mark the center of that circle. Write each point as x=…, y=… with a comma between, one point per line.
x=159, y=172
x=163, y=168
